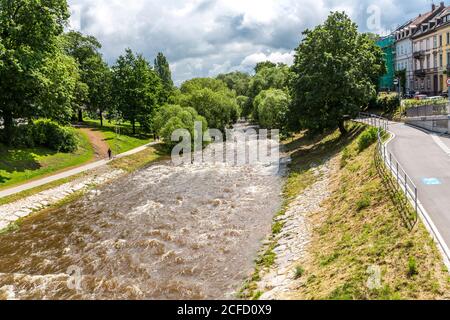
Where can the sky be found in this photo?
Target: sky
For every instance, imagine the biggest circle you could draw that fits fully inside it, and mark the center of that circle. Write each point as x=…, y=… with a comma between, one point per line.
x=203, y=38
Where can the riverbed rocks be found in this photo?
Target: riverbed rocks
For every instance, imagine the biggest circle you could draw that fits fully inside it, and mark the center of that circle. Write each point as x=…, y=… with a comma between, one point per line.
x=293, y=240
x=11, y=212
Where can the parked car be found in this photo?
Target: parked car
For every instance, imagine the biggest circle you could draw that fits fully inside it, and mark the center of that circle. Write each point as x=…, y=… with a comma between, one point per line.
x=444, y=94
x=419, y=96
x=409, y=95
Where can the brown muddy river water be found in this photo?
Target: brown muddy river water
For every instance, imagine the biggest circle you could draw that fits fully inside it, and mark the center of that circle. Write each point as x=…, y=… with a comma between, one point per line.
x=164, y=232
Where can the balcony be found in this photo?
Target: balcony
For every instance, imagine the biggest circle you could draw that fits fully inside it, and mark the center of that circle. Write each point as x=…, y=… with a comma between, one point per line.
x=421, y=73
x=419, y=54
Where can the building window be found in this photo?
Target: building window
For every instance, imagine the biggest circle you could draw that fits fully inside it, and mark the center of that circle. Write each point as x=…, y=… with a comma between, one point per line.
x=440, y=40
x=448, y=58
x=441, y=60
x=435, y=42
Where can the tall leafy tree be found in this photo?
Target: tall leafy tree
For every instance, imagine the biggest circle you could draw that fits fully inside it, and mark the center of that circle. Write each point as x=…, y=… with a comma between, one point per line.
x=237, y=81
x=136, y=88
x=162, y=68
x=29, y=33
x=86, y=51
x=268, y=76
x=271, y=109
x=100, y=89
x=333, y=74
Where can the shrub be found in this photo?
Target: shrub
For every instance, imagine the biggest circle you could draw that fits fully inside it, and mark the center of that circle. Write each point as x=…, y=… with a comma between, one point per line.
x=363, y=203
x=299, y=272
x=367, y=138
x=388, y=102
x=412, y=267
x=48, y=134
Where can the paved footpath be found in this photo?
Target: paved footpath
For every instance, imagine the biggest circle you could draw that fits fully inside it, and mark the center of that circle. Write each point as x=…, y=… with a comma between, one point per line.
x=69, y=173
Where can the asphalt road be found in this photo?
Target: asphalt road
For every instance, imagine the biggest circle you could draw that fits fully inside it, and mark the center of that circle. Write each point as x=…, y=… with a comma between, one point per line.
x=426, y=159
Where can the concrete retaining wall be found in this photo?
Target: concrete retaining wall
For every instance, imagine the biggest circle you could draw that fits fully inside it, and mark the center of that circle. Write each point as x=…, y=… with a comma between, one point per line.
x=439, y=124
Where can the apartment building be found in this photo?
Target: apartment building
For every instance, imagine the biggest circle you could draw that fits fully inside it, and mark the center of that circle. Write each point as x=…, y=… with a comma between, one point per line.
x=428, y=53
x=404, y=45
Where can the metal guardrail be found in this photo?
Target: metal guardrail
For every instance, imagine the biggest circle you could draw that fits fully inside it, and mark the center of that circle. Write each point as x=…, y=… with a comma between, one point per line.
x=402, y=179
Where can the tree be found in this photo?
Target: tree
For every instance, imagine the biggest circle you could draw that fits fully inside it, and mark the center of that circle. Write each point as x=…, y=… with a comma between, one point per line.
x=212, y=99
x=401, y=74
x=237, y=81
x=271, y=109
x=162, y=68
x=100, y=89
x=218, y=107
x=172, y=117
x=268, y=76
x=136, y=88
x=29, y=33
x=85, y=50
x=265, y=64
x=204, y=83
x=333, y=74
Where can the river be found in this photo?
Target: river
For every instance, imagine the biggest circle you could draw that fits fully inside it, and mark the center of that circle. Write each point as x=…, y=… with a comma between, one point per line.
x=163, y=232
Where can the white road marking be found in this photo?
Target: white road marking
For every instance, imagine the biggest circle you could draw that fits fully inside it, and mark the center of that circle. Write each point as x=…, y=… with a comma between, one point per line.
x=441, y=144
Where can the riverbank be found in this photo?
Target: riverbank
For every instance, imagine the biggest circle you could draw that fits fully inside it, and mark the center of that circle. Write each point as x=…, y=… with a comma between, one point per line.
x=21, y=206
x=340, y=236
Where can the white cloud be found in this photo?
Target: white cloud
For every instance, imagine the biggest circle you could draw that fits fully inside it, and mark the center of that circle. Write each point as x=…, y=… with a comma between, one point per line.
x=206, y=37
x=276, y=57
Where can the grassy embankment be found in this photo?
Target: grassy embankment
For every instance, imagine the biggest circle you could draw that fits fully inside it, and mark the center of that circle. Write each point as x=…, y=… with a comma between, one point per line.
x=128, y=164
x=359, y=229
x=22, y=165
x=122, y=142
x=19, y=165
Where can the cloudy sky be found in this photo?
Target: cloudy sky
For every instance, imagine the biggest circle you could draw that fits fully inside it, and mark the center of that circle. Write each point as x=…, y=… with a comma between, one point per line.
x=208, y=37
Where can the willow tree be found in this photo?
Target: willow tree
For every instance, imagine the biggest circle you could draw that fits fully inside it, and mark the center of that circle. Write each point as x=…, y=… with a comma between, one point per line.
x=333, y=74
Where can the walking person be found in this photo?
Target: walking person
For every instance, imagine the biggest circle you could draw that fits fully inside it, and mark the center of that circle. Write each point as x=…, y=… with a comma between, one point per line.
x=110, y=154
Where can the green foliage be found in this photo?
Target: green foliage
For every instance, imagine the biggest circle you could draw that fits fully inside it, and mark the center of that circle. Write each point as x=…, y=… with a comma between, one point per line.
x=277, y=227
x=367, y=138
x=172, y=117
x=411, y=103
x=46, y=133
x=237, y=81
x=197, y=84
x=212, y=99
x=388, y=102
x=268, y=76
x=363, y=203
x=93, y=91
x=271, y=109
x=299, y=272
x=162, y=68
x=334, y=74
x=412, y=267
x=30, y=41
x=136, y=88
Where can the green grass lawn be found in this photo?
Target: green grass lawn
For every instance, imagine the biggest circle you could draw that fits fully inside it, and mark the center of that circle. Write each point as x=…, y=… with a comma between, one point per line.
x=18, y=165
x=123, y=142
